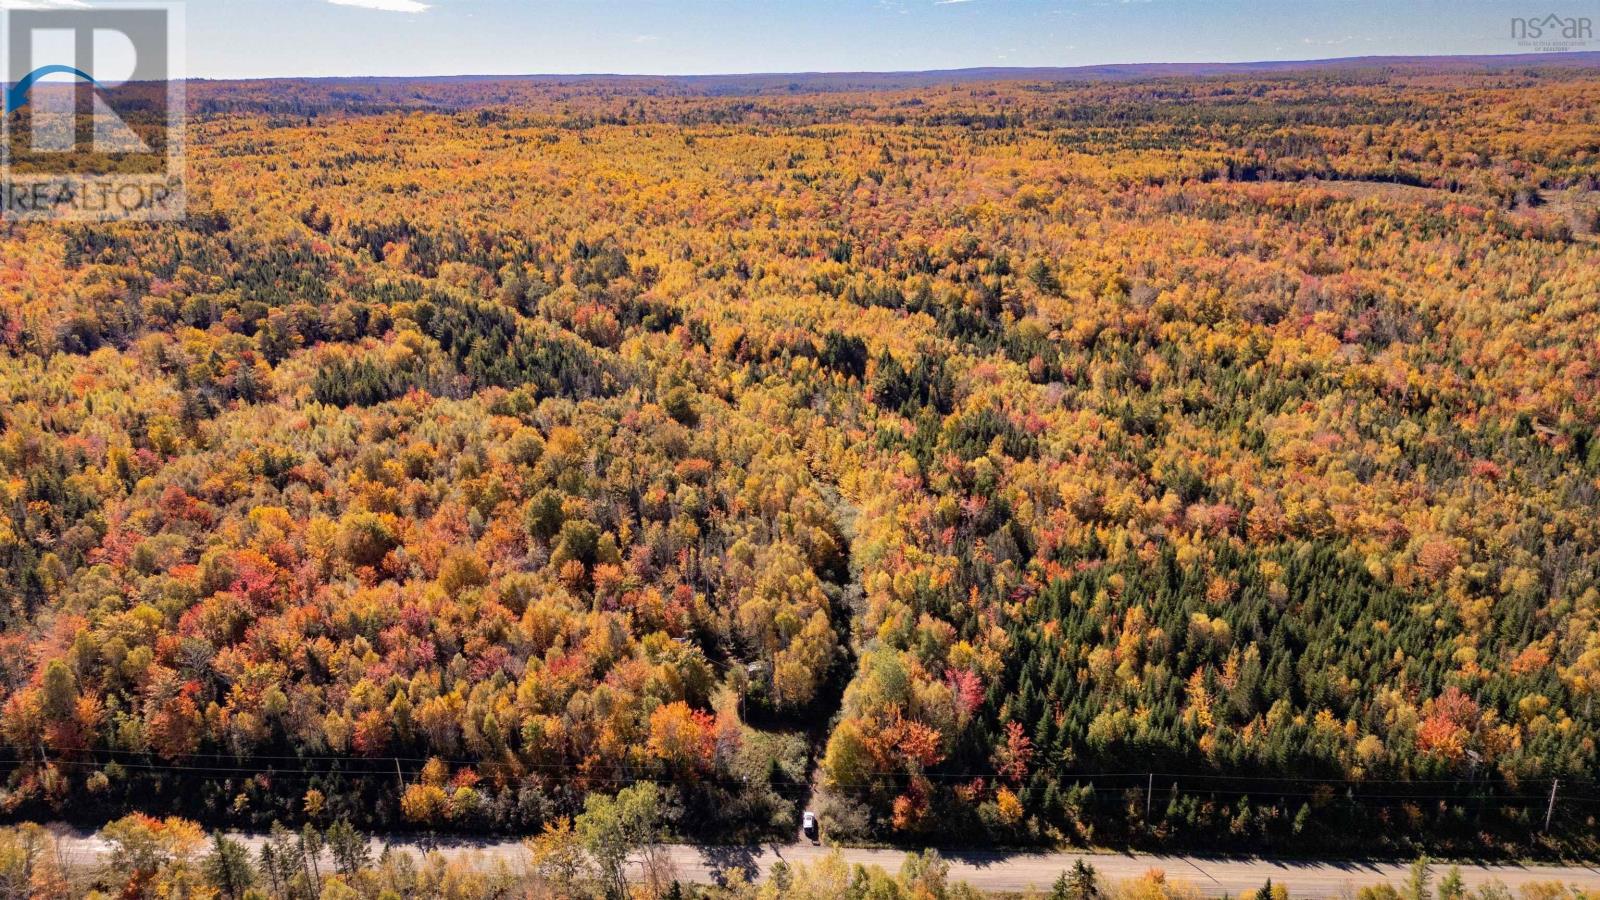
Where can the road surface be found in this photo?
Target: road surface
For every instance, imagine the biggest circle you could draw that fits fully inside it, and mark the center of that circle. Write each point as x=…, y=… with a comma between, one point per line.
x=1212, y=876
x=991, y=870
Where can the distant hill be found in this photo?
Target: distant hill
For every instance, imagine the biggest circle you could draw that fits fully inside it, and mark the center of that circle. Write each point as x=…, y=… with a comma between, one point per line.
x=368, y=94
x=1121, y=72
x=762, y=81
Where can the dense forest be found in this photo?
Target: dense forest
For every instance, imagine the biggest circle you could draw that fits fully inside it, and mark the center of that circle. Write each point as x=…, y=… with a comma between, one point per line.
x=1202, y=461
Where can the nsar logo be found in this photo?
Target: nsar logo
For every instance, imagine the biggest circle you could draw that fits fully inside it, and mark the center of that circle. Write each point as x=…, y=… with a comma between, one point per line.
x=1553, y=33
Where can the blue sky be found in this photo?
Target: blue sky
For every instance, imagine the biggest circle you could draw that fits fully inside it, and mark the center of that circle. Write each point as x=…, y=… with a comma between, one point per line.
x=250, y=38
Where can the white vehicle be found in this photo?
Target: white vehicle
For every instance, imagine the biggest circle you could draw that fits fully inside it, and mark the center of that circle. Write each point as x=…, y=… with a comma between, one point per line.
x=808, y=825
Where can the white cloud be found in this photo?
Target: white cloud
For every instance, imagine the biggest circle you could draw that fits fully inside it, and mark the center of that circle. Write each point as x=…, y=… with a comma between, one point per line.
x=949, y=2
x=402, y=6
x=42, y=4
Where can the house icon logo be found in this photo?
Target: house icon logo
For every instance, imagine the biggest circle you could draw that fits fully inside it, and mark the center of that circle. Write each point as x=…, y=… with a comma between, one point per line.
x=93, y=112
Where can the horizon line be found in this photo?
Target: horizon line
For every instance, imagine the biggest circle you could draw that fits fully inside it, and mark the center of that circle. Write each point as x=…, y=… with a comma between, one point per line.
x=1572, y=57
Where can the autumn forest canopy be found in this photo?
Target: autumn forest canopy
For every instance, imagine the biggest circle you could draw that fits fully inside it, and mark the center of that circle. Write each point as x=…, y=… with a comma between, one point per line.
x=1205, y=461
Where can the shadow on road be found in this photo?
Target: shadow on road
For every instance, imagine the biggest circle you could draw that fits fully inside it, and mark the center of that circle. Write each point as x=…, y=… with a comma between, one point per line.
x=722, y=860
x=984, y=859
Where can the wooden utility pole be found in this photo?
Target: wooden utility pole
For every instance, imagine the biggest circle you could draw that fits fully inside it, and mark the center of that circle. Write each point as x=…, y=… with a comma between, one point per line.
x=1551, y=809
x=1149, y=788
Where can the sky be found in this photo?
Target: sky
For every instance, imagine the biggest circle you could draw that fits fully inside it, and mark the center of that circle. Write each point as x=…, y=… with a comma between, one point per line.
x=263, y=38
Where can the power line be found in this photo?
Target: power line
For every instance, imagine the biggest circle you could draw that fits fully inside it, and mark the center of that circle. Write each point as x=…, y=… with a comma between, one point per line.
x=243, y=772
x=384, y=759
